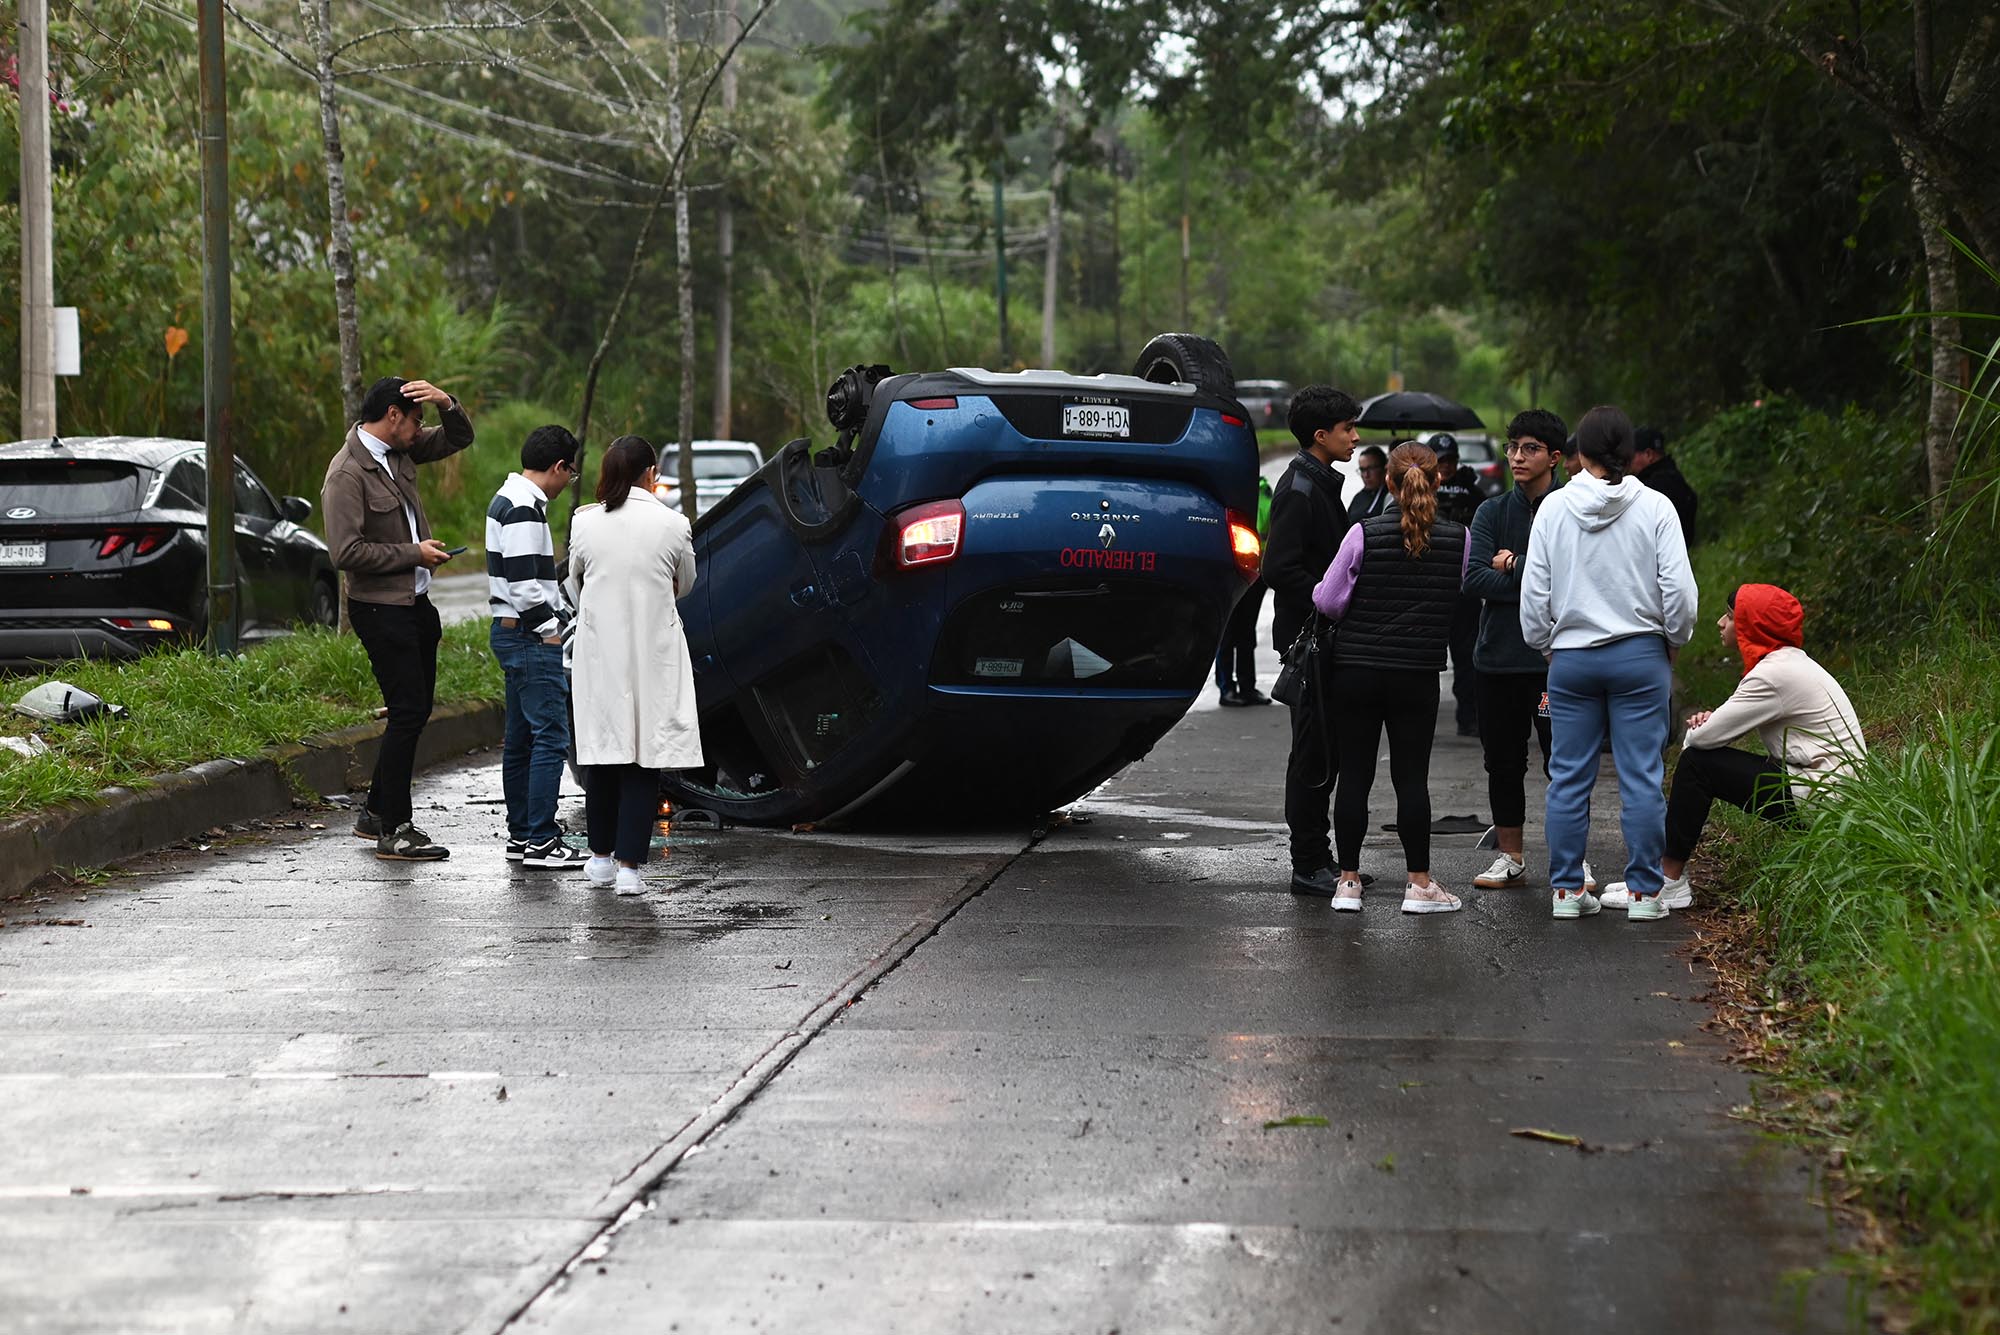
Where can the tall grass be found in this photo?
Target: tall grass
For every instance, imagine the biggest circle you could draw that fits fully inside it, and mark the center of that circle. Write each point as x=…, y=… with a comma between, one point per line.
x=1881, y=908
x=188, y=707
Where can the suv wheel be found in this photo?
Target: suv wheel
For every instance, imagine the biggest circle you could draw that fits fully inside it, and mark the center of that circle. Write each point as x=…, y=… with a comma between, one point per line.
x=1187, y=359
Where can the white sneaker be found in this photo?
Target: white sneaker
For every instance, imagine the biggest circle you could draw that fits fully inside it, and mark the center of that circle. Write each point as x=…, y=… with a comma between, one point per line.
x=1347, y=897
x=1506, y=870
x=1589, y=878
x=601, y=871
x=1432, y=898
x=1675, y=894
x=629, y=882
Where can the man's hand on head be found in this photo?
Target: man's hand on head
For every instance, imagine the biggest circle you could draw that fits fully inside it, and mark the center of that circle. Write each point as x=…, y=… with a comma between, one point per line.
x=423, y=391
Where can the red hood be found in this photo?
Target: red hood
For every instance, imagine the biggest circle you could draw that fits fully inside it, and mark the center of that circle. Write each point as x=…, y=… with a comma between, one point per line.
x=1767, y=618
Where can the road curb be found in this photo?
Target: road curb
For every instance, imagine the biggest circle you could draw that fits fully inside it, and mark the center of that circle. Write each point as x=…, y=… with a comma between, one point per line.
x=124, y=822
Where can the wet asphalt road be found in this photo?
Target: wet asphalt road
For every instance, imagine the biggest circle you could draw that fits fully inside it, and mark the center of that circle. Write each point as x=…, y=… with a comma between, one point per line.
x=999, y=1081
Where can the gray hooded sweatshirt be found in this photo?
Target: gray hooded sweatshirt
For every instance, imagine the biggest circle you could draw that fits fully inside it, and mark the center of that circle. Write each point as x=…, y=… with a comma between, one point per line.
x=1606, y=562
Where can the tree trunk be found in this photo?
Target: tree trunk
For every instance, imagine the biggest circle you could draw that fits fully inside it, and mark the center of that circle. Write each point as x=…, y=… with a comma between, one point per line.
x=317, y=15
x=1947, y=372
x=725, y=251
x=683, y=258
x=1052, y=263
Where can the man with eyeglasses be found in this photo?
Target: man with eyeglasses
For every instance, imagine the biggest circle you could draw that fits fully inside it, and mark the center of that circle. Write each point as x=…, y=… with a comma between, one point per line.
x=1373, y=465
x=1513, y=679
x=530, y=619
x=381, y=540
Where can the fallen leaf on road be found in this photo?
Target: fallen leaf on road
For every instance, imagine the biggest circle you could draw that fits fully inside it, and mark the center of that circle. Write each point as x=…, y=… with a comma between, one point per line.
x=1295, y=1121
x=1553, y=1137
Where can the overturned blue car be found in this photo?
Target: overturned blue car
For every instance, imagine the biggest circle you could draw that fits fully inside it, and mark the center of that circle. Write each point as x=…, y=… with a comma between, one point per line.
x=995, y=591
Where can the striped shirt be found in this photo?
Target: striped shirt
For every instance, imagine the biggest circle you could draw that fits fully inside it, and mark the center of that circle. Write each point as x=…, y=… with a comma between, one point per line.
x=521, y=559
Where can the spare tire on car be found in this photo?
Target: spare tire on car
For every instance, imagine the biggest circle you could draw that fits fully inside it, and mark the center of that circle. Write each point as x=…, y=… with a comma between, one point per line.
x=1187, y=359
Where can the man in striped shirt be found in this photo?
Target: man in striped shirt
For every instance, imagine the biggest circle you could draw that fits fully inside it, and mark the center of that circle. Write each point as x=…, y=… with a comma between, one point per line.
x=530, y=619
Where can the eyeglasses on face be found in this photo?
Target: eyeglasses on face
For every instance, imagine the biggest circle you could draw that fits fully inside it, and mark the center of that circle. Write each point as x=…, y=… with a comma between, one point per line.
x=1526, y=449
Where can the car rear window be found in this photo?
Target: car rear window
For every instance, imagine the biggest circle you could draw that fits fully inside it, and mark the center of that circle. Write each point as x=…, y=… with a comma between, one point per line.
x=68, y=489
x=710, y=465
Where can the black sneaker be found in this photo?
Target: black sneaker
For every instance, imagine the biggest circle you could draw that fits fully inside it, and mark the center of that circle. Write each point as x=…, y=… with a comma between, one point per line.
x=516, y=849
x=367, y=825
x=1319, y=881
x=553, y=853
x=409, y=844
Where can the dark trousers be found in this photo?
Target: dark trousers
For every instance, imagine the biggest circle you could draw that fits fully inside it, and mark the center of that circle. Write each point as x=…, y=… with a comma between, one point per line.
x=1310, y=772
x=1405, y=703
x=1510, y=706
x=1465, y=677
x=402, y=645
x=620, y=804
x=1758, y=784
x=1236, y=660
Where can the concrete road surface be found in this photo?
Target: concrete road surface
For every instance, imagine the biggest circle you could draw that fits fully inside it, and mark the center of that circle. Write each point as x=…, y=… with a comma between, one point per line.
x=997, y=1081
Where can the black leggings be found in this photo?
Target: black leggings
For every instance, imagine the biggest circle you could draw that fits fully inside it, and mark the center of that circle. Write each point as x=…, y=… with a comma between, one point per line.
x=1405, y=702
x=1758, y=784
x=1510, y=703
x=620, y=804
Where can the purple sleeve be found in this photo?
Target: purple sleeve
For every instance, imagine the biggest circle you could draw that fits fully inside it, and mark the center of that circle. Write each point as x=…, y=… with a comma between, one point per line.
x=1336, y=588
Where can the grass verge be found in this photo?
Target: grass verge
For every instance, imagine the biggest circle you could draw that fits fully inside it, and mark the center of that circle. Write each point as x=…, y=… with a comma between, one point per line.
x=188, y=707
x=1866, y=977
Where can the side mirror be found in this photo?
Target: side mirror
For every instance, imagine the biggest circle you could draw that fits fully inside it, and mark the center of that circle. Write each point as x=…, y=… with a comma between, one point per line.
x=296, y=508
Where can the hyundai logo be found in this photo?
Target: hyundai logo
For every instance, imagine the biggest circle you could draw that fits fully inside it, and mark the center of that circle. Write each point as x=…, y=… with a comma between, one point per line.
x=22, y=512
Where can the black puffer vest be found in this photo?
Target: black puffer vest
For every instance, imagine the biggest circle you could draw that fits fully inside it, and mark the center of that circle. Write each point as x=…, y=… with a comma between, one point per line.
x=1400, y=616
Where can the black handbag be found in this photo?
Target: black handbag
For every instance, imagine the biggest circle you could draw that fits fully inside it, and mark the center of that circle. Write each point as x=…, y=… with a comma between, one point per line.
x=1301, y=662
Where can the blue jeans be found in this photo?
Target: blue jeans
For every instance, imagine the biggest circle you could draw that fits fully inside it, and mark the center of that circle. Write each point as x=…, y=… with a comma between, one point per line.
x=537, y=740
x=1625, y=686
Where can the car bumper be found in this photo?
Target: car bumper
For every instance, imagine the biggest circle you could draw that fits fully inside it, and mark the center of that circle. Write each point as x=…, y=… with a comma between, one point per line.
x=52, y=638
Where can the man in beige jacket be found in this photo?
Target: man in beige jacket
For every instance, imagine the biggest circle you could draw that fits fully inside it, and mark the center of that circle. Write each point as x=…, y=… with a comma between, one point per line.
x=376, y=528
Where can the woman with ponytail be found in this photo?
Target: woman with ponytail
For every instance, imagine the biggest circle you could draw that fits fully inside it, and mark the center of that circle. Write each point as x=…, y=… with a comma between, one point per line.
x=1608, y=595
x=630, y=558
x=1391, y=590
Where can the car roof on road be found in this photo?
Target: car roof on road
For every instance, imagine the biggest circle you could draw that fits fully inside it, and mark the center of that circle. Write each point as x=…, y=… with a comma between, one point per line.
x=147, y=450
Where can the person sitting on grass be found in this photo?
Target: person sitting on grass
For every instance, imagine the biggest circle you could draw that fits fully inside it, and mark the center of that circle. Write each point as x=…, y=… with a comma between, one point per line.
x=1808, y=727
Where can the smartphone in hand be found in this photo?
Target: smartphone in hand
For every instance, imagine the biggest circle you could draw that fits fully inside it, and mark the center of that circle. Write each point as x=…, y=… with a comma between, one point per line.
x=455, y=551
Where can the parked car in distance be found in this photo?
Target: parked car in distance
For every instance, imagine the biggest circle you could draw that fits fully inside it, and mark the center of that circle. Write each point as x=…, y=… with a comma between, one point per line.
x=719, y=466
x=995, y=591
x=1266, y=401
x=104, y=550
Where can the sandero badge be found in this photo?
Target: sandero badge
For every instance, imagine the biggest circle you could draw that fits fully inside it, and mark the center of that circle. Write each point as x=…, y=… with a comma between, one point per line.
x=981, y=601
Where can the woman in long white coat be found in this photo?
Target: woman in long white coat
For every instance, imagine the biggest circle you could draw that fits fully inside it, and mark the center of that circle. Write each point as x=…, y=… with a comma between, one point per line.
x=630, y=558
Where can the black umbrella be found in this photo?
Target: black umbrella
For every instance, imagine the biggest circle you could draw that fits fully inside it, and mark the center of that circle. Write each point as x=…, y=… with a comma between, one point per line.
x=1411, y=410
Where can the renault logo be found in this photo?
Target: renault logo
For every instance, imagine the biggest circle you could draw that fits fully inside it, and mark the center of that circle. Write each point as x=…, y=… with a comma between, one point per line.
x=22, y=512
x=1107, y=535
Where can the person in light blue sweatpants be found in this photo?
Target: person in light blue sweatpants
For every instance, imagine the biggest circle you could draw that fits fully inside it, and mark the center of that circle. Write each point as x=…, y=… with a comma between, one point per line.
x=1608, y=595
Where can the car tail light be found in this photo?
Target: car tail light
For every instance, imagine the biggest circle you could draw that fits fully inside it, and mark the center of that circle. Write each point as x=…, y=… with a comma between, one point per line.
x=141, y=541
x=933, y=405
x=1245, y=546
x=1229, y=419
x=142, y=623
x=929, y=534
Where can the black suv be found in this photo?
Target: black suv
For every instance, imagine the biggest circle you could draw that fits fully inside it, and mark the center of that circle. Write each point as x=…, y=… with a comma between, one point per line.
x=104, y=550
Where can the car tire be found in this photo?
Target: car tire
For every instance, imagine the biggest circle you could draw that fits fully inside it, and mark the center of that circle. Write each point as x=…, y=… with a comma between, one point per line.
x=325, y=604
x=1187, y=359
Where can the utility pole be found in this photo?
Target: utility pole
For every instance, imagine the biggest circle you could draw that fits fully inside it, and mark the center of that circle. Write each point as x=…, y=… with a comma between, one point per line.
x=1000, y=254
x=725, y=243
x=218, y=353
x=38, y=271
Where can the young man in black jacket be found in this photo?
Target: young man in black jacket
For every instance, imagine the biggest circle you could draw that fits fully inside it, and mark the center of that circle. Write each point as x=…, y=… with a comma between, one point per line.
x=1652, y=466
x=1308, y=521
